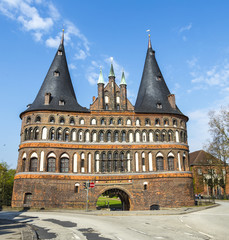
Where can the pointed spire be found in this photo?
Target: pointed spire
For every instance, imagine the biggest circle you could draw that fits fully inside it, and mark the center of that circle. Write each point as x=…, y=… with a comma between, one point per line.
x=62, y=38
x=153, y=92
x=149, y=43
x=101, y=80
x=111, y=74
x=123, y=79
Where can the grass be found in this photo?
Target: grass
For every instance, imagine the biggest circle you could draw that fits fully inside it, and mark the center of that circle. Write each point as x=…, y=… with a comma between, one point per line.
x=114, y=202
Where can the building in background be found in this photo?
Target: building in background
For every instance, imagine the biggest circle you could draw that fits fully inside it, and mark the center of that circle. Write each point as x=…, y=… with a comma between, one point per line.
x=139, y=153
x=209, y=174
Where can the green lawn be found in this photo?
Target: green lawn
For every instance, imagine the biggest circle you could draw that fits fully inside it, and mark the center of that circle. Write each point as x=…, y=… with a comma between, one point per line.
x=113, y=202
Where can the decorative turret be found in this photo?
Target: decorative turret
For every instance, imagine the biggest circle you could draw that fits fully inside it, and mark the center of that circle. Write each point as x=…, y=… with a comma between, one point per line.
x=112, y=105
x=154, y=95
x=123, y=92
x=56, y=92
x=101, y=91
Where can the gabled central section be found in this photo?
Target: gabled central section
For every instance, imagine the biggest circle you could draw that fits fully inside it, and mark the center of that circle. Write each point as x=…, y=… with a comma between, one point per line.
x=111, y=97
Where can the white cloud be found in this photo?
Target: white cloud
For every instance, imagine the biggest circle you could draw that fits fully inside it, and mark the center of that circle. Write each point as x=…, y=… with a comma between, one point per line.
x=186, y=28
x=192, y=62
x=81, y=55
x=92, y=77
x=72, y=66
x=53, y=42
x=217, y=75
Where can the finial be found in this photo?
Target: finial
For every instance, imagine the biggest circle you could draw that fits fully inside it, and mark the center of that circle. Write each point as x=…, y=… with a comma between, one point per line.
x=101, y=76
x=62, y=39
x=111, y=74
x=123, y=79
x=149, y=44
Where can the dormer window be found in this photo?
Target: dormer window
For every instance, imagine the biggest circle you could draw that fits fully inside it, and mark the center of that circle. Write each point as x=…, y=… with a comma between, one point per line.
x=61, y=102
x=60, y=53
x=159, y=105
x=159, y=78
x=56, y=74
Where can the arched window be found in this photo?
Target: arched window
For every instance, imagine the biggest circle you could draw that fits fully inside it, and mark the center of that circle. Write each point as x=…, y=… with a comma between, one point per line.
x=62, y=121
x=23, y=164
x=174, y=122
x=38, y=119
x=80, y=136
x=170, y=137
x=131, y=138
x=123, y=136
x=87, y=136
x=30, y=134
x=33, y=164
x=109, y=136
x=170, y=162
x=181, y=137
x=137, y=122
x=103, y=169
x=156, y=136
x=119, y=121
x=157, y=122
x=28, y=120
x=64, y=164
x=128, y=122
x=101, y=136
x=82, y=162
x=52, y=119
x=102, y=121
x=71, y=121
x=184, y=162
x=93, y=121
x=51, y=164
x=66, y=135
x=81, y=122
x=144, y=137
x=36, y=133
x=143, y=162
x=115, y=162
x=163, y=137
x=147, y=122
x=96, y=161
x=137, y=137
x=26, y=134
x=166, y=122
x=116, y=136
x=111, y=122
x=73, y=135
x=109, y=157
x=151, y=136
x=118, y=107
x=159, y=162
x=59, y=134
x=94, y=136
x=52, y=134
x=106, y=107
x=182, y=124
x=122, y=162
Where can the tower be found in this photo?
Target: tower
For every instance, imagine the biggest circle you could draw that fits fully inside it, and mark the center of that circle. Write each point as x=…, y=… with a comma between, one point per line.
x=138, y=153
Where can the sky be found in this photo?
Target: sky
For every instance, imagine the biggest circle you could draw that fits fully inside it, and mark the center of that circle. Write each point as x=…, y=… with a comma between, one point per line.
x=191, y=40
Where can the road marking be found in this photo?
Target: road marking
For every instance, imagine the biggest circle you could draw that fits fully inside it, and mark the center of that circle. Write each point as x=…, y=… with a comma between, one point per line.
x=206, y=234
x=187, y=226
x=137, y=231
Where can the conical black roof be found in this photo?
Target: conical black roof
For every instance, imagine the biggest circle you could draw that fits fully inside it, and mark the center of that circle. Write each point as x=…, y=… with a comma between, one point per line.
x=153, y=92
x=57, y=83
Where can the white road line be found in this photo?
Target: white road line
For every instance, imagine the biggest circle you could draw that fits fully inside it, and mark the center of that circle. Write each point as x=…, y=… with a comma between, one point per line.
x=133, y=229
x=187, y=226
x=206, y=234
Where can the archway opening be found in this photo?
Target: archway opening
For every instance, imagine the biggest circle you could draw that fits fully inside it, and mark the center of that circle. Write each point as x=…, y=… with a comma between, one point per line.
x=114, y=199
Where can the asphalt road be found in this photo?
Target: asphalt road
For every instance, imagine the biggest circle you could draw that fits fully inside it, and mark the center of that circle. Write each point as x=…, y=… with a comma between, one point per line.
x=211, y=223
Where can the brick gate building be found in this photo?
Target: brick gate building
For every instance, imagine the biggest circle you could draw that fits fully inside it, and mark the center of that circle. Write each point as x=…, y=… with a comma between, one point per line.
x=139, y=153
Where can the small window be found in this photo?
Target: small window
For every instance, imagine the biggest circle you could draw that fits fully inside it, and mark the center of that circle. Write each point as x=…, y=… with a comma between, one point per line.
x=81, y=121
x=60, y=53
x=166, y=122
x=118, y=107
x=61, y=102
x=28, y=120
x=38, y=119
x=174, y=122
x=76, y=188
x=106, y=99
x=119, y=121
x=106, y=107
x=102, y=121
x=128, y=122
x=199, y=171
x=147, y=122
x=157, y=122
x=145, y=186
x=56, y=74
x=159, y=105
x=93, y=121
x=137, y=122
x=72, y=121
x=159, y=78
x=62, y=120
x=52, y=120
x=111, y=121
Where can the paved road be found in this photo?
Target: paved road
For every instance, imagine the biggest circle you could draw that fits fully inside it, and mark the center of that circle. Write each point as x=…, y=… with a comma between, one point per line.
x=207, y=224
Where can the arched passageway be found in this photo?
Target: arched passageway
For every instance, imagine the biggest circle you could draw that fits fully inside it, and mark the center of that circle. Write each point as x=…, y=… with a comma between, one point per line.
x=120, y=194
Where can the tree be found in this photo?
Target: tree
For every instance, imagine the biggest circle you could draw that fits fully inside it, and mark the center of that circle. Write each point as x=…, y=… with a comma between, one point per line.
x=6, y=184
x=219, y=144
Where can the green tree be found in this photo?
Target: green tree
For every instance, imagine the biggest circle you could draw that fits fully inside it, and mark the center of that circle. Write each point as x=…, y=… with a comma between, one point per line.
x=6, y=184
x=219, y=144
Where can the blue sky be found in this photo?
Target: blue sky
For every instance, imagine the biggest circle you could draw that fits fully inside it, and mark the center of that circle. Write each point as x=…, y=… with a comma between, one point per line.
x=191, y=40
